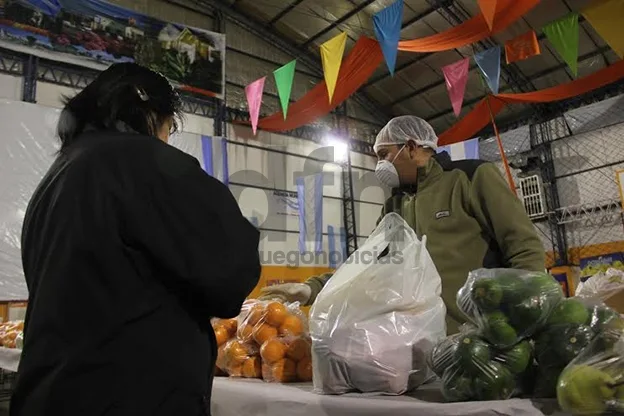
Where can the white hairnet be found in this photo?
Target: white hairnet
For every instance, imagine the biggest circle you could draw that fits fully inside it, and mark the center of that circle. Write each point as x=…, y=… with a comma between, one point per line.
x=401, y=129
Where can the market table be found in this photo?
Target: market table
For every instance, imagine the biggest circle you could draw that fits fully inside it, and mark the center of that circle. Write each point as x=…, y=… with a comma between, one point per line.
x=242, y=397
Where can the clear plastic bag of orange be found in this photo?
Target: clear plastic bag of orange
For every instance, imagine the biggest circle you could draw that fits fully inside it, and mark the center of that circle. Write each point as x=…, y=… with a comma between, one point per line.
x=224, y=329
x=239, y=359
x=261, y=321
x=287, y=359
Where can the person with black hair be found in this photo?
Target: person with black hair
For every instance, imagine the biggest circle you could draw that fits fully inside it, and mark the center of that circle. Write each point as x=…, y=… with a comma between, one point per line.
x=129, y=249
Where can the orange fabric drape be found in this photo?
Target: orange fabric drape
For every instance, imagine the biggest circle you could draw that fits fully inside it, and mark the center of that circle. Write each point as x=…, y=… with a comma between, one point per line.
x=473, y=30
x=488, y=10
x=479, y=117
x=357, y=67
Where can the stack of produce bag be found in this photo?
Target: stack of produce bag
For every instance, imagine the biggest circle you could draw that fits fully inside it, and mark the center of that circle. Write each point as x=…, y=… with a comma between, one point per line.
x=593, y=383
x=268, y=340
x=570, y=328
x=525, y=333
x=374, y=322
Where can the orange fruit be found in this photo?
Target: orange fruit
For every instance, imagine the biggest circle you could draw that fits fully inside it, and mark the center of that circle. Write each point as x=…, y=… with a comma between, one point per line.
x=275, y=314
x=272, y=351
x=255, y=315
x=221, y=334
x=304, y=369
x=263, y=333
x=236, y=352
x=298, y=349
x=245, y=332
x=252, y=368
x=230, y=325
x=284, y=371
x=236, y=371
x=292, y=326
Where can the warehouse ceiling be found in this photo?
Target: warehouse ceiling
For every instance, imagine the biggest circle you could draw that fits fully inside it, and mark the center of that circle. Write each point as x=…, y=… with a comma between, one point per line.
x=418, y=84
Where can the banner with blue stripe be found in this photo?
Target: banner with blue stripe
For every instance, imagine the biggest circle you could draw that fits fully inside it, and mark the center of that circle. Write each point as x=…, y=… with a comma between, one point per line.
x=468, y=149
x=215, y=157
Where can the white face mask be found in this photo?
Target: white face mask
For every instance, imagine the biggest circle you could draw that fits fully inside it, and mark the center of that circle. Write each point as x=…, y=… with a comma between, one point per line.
x=386, y=172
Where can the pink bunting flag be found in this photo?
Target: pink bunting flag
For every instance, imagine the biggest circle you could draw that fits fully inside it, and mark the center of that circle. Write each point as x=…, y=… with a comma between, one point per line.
x=456, y=77
x=254, y=92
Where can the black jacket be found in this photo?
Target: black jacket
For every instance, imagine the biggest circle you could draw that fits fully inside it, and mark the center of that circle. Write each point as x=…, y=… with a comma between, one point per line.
x=129, y=248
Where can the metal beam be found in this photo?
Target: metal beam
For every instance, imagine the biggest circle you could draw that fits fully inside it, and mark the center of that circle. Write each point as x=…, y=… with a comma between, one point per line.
x=337, y=23
x=311, y=61
x=284, y=12
x=271, y=62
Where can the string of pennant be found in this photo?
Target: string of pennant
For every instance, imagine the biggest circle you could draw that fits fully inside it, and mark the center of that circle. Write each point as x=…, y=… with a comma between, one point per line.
x=563, y=35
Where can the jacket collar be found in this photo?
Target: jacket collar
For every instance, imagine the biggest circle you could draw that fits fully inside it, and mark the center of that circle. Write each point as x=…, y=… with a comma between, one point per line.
x=428, y=174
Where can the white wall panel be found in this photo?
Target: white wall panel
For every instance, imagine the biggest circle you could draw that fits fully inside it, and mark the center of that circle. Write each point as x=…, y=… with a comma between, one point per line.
x=197, y=124
x=592, y=187
x=10, y=87
x=257, y=203
x=588, y=150
x=51, y=95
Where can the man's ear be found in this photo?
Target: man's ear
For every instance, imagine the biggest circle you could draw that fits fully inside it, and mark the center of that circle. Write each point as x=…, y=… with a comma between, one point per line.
x=411, y=148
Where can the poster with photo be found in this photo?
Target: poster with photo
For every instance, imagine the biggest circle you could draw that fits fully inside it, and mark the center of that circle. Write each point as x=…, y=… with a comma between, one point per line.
x=96, y=34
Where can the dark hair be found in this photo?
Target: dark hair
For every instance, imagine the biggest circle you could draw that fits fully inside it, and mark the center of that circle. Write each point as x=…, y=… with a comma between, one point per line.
x=124, y=96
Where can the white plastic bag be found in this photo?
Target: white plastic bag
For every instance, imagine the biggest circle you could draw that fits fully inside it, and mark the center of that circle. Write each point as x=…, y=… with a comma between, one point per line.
x=378, y=317
x=602, y=285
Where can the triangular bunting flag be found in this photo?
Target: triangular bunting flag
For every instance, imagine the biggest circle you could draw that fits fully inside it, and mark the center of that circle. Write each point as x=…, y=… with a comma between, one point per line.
x=522, y=47
x=387, y=25
x=254, y=92
x=331, y=55
x=456, y=77
x=606, y=17
x=284, y=77
x=564, y=36
x=488, y=9
x=488, y=62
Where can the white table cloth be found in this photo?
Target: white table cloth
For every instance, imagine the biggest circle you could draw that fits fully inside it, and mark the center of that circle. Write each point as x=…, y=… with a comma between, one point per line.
x=241, y=397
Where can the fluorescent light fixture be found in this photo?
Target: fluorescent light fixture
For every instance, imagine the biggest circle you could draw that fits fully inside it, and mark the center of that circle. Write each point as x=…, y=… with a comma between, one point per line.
x=341, y=149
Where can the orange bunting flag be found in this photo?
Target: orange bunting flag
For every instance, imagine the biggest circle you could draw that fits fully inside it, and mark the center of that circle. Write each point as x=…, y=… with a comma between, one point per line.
x=488, y=10
x=522, y=47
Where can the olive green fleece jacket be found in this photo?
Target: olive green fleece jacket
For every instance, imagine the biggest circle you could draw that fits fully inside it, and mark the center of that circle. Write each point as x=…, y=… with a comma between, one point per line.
x=471, y=220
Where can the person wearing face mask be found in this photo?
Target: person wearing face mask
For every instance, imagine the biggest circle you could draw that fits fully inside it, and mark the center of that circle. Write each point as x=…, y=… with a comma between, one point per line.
x=465, y=208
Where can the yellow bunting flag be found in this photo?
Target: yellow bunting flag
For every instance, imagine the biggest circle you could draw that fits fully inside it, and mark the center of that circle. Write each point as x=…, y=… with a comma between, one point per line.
x=331, y=55
x=606, y=18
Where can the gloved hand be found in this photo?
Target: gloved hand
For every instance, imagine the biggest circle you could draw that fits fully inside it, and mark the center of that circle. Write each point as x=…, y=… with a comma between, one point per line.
x=287, y=292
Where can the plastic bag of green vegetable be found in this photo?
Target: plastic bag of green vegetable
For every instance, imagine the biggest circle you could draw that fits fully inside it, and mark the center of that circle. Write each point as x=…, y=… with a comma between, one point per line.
x=575, y=324
x=471, y=368
x=508, y=305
